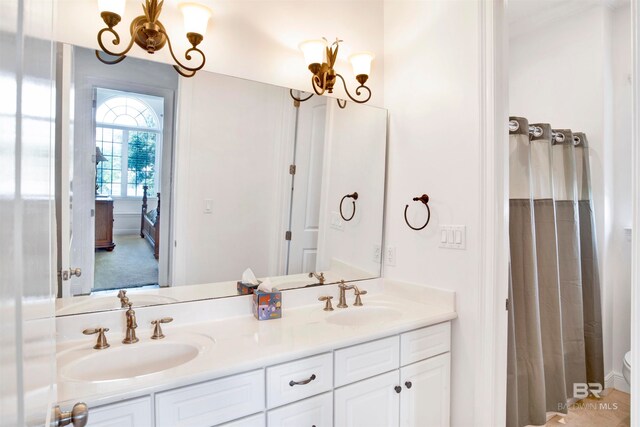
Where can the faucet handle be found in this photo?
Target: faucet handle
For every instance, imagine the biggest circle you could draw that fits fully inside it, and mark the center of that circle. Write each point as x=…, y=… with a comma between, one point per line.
x=327, y=299
x=359, y=292
x=157, y=330
x=102, y=338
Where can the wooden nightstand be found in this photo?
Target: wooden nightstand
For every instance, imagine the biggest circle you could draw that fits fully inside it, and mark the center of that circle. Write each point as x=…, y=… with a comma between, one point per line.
x=104, y=223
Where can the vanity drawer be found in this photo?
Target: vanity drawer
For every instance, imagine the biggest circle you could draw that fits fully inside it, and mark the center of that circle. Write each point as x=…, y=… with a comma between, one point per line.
x=424, y=343
x=313, y=375
x=256, y=420
x=316, y=411
x=366, y=360
x=130, y=413
x=213, y=402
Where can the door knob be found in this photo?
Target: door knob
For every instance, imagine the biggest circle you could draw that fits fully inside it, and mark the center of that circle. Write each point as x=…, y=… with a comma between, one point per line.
x=398, y=389
x=77, y=417
x=66, y=274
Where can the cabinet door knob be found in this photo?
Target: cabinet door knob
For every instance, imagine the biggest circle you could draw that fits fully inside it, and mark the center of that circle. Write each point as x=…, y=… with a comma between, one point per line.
x=398, y=389
x=77, y=417
x=408, y=384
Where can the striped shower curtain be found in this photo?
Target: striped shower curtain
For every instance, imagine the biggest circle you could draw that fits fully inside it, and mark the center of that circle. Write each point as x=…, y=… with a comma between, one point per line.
x=555, y=325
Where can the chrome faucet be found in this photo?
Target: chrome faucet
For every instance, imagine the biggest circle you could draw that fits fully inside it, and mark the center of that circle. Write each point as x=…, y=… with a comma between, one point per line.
x=132, y=324
x=124, y=299
x=320, y=277
x=342, y=303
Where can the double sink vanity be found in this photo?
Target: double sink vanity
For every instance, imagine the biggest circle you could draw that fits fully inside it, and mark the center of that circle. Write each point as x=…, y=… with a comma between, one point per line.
x=384, y=363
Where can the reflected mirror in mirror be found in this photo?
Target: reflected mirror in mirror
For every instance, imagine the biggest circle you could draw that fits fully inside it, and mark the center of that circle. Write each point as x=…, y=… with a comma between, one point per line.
x=171, y=188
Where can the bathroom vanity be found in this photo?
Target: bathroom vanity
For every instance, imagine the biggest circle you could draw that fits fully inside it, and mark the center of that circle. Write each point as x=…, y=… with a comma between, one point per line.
x=385, y=363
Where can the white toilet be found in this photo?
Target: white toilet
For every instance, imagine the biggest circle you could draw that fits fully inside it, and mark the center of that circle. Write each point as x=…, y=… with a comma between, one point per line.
x=626, y=367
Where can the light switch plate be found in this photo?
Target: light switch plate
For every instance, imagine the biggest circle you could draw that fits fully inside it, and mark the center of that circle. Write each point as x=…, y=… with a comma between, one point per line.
x=336, y=222
x=453, y=237
x=390, y=256
x=377, y=253
x=208, y=206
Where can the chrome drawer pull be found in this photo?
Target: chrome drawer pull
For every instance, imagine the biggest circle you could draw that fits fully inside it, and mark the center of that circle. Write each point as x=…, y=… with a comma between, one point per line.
x=303, y=382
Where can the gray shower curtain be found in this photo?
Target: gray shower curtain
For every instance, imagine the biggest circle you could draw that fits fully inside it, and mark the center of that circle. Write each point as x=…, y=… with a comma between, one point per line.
x=552, y=313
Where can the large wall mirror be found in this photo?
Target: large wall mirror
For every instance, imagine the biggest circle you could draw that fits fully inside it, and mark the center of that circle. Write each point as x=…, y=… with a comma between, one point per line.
x=170, y=188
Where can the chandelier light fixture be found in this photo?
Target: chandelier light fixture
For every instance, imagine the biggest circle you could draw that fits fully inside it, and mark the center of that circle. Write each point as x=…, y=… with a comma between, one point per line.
x=148, y=32
x=321, y=58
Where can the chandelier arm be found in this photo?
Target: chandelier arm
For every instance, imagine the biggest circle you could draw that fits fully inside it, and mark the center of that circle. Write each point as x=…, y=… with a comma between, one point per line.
x=357, y=91
x=342, y=103
x=299, y=99
x=191, y=71
x=116, y=41
x=106, y=61
x=316, y=82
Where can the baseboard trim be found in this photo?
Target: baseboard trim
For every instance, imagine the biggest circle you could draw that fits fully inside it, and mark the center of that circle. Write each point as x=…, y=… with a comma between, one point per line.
x=616, y=380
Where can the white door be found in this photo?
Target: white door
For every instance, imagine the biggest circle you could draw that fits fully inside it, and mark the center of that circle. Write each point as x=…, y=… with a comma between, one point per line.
x=424, y=401
x=315, y=411
x=27, y=283
x=368, y=403
x=307, y=182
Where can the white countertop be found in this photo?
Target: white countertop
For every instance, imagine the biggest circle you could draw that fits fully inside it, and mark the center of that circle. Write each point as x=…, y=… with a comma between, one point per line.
x=241, y=343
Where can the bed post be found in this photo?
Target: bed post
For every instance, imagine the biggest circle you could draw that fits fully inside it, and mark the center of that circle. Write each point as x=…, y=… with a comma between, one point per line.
x=156, y=230
x=144, y=209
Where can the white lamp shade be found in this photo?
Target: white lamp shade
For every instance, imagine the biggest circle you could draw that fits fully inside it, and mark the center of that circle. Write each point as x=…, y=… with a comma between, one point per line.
x=313, y=51
x=113, y=6
x=361, y=63
x=196, y=18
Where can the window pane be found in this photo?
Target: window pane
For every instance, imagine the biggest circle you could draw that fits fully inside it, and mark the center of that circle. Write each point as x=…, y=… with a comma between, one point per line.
x=117, y=135
x=141, y=160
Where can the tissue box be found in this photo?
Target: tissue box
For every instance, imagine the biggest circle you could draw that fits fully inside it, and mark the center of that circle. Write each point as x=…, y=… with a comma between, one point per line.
x=267, y=305
x=245, y=288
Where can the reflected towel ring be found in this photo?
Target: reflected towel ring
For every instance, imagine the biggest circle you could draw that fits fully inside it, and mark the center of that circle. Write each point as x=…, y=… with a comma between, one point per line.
x=425, y=200
x=353, y=196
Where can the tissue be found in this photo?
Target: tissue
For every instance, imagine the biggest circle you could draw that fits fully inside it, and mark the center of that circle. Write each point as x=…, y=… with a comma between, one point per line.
x=266, y=286
x=249, y=278
x=248, y=283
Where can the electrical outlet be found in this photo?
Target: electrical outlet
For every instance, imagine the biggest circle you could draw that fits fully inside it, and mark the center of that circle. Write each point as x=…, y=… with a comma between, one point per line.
x=390, y=256
x=377, y=253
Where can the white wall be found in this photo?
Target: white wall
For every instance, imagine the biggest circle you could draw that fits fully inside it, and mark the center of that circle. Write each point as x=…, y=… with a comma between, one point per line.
x=573, y=73
x=252, y=39
x=432, y=89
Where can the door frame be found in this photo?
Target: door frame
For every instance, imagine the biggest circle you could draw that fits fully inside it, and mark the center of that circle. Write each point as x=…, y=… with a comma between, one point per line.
x=491, y=342
x=491, y=375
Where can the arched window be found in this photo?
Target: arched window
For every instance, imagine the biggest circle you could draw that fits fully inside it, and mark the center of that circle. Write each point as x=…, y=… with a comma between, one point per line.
x=128, y=135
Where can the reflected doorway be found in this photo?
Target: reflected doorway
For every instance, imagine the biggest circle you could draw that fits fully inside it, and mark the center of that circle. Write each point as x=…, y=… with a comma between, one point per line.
x=128, y=138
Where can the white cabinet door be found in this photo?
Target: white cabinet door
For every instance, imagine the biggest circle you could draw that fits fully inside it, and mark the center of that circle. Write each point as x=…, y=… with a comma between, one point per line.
x=424, y=401
x=315, y=411
x=372, y=402
x=131, y=413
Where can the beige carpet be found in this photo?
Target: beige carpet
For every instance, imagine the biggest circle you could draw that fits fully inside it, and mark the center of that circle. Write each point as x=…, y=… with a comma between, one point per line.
x=130, y=264
x=612, y=410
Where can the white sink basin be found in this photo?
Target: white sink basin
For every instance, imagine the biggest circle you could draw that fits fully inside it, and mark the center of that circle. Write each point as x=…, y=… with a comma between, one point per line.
x=120, y=361
x=112, y=302
x=366, y=315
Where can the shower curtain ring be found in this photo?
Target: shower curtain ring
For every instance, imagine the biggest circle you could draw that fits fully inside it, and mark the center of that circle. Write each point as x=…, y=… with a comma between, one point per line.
x=353, y=196
x=424, y=199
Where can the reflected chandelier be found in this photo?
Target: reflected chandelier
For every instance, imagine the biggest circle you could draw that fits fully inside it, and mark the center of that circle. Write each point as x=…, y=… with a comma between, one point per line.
x=148, y=32
x=321, y=58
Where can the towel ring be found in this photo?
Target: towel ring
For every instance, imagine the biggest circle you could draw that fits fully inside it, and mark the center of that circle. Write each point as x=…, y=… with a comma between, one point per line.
x=353, y=196
x=425, y=200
